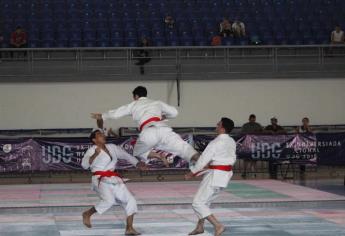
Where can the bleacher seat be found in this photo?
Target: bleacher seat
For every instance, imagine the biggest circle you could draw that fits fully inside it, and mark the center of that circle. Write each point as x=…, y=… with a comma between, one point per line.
x=124, y=22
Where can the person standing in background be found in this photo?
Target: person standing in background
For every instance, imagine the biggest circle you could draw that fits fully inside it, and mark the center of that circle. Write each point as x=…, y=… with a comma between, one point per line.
x=18, y=39
x=1, y=41
x=251, y=127
x=143, y=55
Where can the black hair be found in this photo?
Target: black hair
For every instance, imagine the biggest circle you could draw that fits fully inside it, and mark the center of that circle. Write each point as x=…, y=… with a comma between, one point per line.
x=93, y=135
x=305, y=118
x=227, y=124
x=252, y=116
x=140, y=91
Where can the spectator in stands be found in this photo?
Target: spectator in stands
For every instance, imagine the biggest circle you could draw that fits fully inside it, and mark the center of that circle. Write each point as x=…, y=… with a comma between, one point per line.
x=305, y=127
x=225, y=28
x=251, y=127
x=239, y=29
x=143, y=55
x=216, y=40
x=18, y=39
x=1, y=41
x=274, y=128
x=337, y=36
x=169, y=21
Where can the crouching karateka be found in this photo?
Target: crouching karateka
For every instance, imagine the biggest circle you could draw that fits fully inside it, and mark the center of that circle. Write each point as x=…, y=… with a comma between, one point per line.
x=216, y=164
x=101, y=158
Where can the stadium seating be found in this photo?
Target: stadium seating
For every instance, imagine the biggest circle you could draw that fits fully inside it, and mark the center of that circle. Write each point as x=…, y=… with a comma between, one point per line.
x=116, y=23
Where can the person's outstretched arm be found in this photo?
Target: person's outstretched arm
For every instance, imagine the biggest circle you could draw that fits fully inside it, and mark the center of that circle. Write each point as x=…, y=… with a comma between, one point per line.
x=168, y=111
x=122, y=111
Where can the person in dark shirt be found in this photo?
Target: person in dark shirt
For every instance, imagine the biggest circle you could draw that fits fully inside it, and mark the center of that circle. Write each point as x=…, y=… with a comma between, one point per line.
x=305, y=127
x=274, y=128
x=1, y=41
x=143, y=55
x=169, y=21
x=251, y=127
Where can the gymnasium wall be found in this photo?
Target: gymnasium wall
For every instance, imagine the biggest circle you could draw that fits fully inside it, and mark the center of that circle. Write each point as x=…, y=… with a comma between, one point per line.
x=68, y=105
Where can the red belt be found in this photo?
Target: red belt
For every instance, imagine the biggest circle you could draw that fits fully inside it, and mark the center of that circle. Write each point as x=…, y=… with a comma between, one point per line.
x=107, y=173
x=148, y=121
x=221, y=167
x=216, y=167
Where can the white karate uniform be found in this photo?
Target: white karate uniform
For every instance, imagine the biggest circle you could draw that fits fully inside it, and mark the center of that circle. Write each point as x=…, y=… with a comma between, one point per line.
x=220, y=151
x=156, y=134
x=111, y=190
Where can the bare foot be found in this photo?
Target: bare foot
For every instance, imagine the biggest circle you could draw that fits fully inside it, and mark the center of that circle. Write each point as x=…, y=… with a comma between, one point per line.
x=197, y=231
x=219, y=230
x=87, y=220
x=163, y=158
x=165, y=162
x=132, y=232
x=160, y=157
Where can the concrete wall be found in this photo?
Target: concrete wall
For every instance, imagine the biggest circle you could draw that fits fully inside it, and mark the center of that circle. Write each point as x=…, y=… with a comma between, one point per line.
x=68, y=105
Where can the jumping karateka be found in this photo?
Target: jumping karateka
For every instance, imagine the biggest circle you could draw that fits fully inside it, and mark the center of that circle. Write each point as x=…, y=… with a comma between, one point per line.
x=154, y=132
x=216, y=164
x=101, y=158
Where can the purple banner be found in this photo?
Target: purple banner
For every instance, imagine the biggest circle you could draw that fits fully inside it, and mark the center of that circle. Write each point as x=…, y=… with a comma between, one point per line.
x=326, y=149
x=65, y=154
x=273, y=147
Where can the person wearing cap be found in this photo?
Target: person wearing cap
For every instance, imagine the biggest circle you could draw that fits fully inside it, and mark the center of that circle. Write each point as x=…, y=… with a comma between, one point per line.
x=215, y=164
x=150, y=116
x=101, y=158
x=274, y=128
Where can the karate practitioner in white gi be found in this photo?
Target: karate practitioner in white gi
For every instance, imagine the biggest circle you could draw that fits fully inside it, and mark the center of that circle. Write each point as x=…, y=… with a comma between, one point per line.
x=154, y=132
x=216, y=164
x=101, y=158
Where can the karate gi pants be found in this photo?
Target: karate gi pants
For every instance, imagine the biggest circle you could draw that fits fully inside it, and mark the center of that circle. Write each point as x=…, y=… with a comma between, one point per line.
x=162, y=138
x=111, y=194
x=204, y=196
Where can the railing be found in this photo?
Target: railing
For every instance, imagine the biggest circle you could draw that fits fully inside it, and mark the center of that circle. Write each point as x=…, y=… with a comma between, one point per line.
x=173, y=62
x=131, y=131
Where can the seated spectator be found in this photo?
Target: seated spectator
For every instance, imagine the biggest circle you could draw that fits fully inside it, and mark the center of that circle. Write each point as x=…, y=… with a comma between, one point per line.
x=251, y=127
x=169, y=21
x=18, y=39
x=305, y=127
x=274, y=128
x=337, y=36
x=225, y=29
x=239, y=29
x=216, y=40
x=143, y=55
